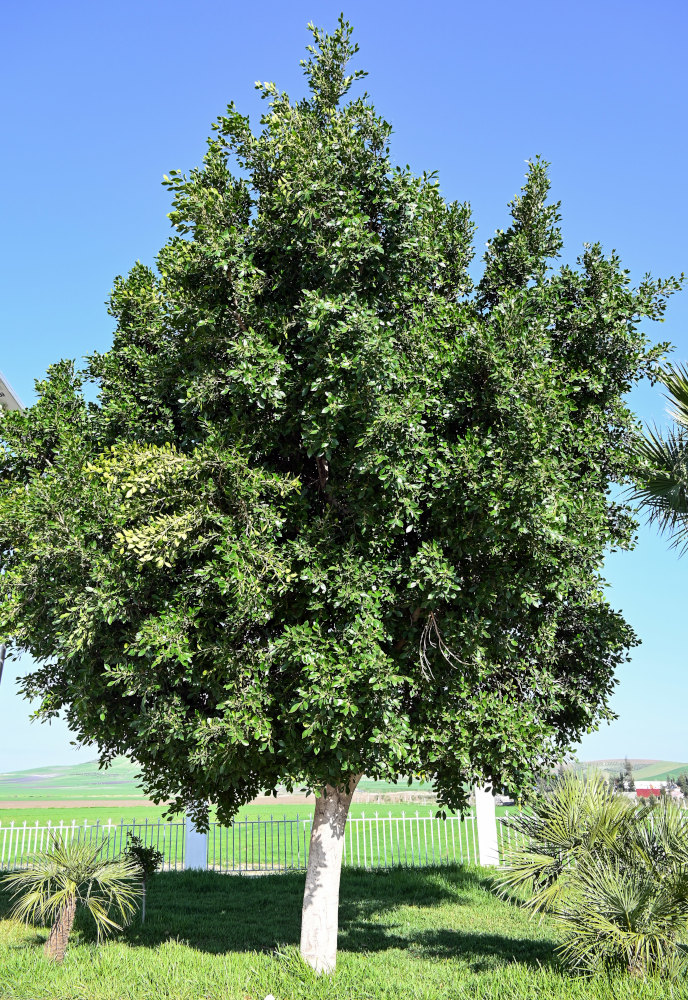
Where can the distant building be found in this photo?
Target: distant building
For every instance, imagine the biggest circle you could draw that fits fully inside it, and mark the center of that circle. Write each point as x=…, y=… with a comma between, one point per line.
x=9, y=400
x=653, y=789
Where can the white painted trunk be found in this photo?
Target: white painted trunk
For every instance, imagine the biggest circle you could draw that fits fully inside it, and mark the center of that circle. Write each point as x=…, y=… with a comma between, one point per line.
x=320, y=913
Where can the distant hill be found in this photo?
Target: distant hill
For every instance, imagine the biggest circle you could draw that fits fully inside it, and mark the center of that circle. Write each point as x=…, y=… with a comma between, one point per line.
x=668, y=769
x=76, y=781
x=115, y=783
x=119, y=781
x=643, y=769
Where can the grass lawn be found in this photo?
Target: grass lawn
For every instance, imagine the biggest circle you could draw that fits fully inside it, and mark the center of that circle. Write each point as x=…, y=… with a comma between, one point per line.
x=437, y=933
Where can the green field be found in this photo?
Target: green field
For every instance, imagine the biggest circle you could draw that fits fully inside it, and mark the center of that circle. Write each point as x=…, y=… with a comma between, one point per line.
x=118, y=782
x=660, y=772
x=91, y=814
x=416, y=935
x=138, y=814
x=643, y=770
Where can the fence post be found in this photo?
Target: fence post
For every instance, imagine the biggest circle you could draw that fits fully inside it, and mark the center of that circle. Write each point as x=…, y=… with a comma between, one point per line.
x=486, y=822
x=195, y=846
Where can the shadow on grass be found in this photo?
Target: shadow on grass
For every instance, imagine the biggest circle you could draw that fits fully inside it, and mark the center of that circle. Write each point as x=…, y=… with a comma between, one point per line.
x=480, y=951
x=216, y=914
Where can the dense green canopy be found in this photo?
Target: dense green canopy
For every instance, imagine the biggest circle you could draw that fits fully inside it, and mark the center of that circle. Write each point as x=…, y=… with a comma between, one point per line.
x=335, y=509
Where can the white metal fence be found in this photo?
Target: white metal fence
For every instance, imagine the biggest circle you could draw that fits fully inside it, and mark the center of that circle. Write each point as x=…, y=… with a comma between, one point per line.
x=19, y=841
x=506, y=837
x=412, y=841
x=265, y=845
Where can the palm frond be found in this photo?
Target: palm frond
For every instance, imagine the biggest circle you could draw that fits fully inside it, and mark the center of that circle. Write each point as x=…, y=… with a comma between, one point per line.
x=662, y=482
x=662, y=479
x=618, y=914
x=614, y=874
x=675, y=379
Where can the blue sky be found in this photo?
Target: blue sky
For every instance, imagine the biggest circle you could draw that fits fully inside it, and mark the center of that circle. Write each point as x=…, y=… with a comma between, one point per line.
x=98, y=101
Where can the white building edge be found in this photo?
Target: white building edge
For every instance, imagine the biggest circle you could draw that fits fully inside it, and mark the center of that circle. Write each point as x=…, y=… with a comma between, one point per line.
x=9, y=400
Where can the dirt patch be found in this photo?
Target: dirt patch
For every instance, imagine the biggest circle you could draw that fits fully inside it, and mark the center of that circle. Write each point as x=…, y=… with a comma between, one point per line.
x=284, y=798
x=74, y=803
x=295, y=799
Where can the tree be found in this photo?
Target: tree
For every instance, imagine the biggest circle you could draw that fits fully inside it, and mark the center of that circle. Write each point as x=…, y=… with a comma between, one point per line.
x=628, y=780
x=325, y=507
x=662, y=479
x=69, y=875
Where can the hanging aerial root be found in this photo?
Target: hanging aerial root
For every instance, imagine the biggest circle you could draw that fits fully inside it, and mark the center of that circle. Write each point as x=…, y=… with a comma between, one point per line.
x=431, y=638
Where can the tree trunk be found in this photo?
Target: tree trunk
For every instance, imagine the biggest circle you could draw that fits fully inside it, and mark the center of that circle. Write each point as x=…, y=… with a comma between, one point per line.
x=56, y=945
x=320, y=913
x=143, y=901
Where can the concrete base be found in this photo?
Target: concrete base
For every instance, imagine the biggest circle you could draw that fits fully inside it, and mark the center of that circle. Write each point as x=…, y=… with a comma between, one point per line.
x=195, y=847
x=486, y=824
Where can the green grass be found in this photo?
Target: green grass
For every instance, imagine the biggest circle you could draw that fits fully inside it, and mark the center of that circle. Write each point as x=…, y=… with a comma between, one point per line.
x=405, y=934
x=91, y=814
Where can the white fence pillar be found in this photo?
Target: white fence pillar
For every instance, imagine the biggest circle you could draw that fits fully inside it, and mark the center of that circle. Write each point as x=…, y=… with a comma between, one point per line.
x=195, y=846
x=486, y=822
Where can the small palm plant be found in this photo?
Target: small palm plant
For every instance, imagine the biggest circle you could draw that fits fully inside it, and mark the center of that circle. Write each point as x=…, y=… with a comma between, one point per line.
x=66, y=876
x=614, y=873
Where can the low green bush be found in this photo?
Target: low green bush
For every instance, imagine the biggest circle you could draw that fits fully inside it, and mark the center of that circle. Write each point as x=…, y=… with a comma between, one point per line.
x=147, y=860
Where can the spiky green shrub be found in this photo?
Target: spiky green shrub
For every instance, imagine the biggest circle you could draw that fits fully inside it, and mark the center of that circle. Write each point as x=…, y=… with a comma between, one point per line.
x=574, y=817
x=614, y=873
x=619, y=913
x=147, y=861
x=69, y=875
